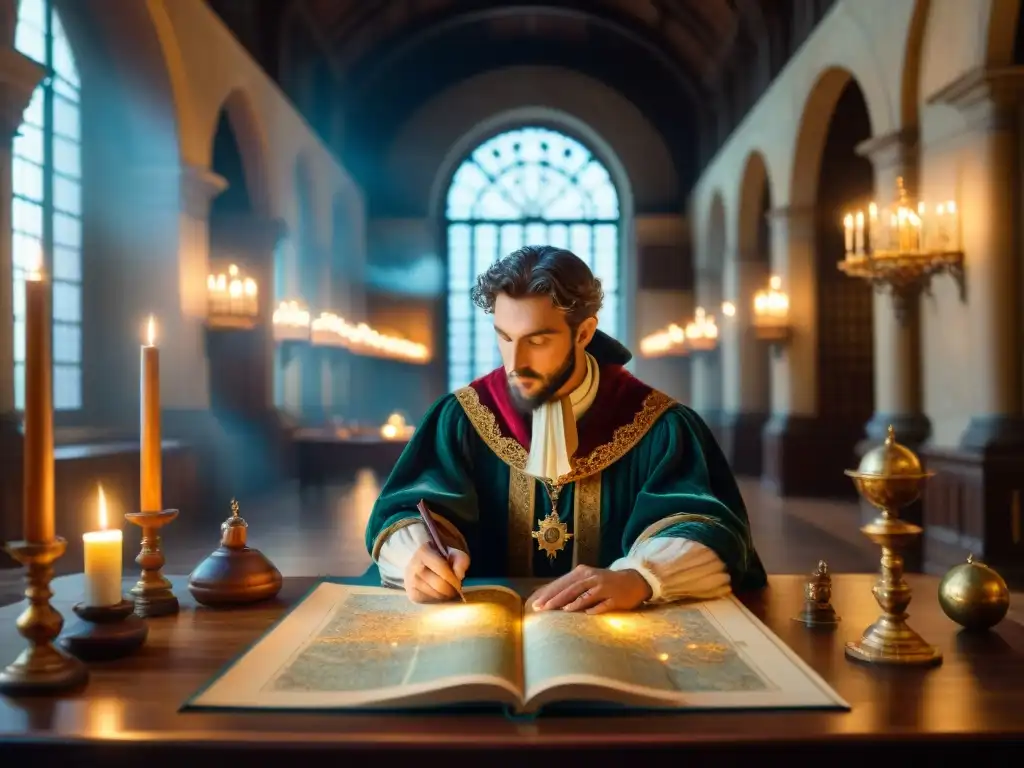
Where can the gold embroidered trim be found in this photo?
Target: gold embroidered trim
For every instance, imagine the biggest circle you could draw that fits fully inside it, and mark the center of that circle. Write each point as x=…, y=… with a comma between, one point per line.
x=587, y=521
x=666, y=522
x=446, y=526
x=522, y=494
x=512, y=453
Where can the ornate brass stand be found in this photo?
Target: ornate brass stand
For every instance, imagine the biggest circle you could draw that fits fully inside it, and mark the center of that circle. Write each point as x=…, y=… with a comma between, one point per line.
x=152, y=593
x=41, y=668
x=889, y=478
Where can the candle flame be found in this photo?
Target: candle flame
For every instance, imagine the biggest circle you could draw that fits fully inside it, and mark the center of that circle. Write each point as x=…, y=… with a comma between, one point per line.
x=102, y=505
x=151, y=332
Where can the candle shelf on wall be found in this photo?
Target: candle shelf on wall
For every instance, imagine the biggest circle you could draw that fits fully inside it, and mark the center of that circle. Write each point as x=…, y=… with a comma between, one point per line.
x=332, y=330
x=899, y=249
x=232, y=300
x=671, y=341
x=702, y=332
x=771, y=315
x=291, y=321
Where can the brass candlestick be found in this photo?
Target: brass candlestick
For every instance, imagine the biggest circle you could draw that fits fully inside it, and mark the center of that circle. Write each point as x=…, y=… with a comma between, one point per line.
x=152, y=593
x=889, y=478
x=42, y=667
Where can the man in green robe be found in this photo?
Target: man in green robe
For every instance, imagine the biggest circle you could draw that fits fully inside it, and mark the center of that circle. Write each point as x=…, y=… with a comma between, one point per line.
x=561, y=464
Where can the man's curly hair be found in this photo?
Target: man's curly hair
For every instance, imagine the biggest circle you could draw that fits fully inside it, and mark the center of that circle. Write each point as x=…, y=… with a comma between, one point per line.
x=543, y=270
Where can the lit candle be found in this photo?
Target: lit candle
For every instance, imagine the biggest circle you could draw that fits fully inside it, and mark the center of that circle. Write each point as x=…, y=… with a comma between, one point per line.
x=102, y=562
x=858, y=243
x=848, y=232
x=872, y=227
x=38, y=447
x=150, y=478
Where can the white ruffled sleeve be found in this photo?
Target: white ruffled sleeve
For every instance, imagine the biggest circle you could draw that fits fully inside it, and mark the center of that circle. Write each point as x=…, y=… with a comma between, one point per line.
x=677, y=568
x=399, y=547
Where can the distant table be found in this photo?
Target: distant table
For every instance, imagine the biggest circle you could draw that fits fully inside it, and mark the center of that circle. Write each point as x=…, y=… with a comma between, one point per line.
x=128, y=714
x=323, y=456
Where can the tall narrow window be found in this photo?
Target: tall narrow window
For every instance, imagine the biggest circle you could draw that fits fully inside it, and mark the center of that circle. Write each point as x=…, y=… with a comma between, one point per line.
x=527, y=186
x=47, y=206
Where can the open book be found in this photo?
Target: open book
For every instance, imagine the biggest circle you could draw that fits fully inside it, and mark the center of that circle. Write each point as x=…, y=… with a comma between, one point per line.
x=361, y=647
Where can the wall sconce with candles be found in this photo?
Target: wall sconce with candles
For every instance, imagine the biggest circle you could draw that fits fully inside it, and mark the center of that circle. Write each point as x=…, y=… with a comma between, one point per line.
x=670, y=341
x=771, y=315
x=900, y=249
x=232, y=300
x=702, y=332
x=291, y=328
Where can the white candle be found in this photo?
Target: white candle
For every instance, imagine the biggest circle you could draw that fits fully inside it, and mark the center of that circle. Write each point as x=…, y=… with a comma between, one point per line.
x=858, y=244
x=848, y=232
x=102, y=562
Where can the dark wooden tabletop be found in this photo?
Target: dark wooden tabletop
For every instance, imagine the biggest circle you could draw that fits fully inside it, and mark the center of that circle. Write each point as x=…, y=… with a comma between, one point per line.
x=132, y=704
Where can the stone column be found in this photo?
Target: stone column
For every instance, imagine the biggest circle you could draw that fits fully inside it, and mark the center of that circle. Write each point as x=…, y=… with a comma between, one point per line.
x=897, y=344
x=706, y=368
x=989, y=102
x=791, y=432
x=745, y=372
x=19, y=77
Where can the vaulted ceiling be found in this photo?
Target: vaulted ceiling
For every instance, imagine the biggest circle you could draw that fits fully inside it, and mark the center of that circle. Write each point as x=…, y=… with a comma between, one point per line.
x=693, y=67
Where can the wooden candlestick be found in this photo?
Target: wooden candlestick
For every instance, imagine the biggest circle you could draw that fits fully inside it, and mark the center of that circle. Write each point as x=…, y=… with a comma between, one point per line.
x=104, y=632
x=152, y=593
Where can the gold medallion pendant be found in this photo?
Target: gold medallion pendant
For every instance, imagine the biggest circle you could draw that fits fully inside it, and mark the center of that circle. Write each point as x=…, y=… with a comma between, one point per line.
x=551, y=535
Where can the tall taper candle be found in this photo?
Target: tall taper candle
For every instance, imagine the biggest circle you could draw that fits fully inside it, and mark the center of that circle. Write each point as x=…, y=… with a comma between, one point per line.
x=150, y=479
x=38, y=473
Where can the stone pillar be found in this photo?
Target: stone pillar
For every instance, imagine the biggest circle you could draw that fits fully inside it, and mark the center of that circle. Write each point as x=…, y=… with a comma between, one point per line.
x=989, y=102
x=19, y=77
x=973, y=503
x=706, y=367
x=745, y=372
x=897, y=344
x=792, y=436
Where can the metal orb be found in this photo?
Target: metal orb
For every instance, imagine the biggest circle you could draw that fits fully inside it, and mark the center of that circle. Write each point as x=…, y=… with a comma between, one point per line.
x=973, y=595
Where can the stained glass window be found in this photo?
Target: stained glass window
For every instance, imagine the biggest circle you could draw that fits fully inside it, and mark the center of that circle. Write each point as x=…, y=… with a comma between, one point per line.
x=527, y=186
x=46, y=215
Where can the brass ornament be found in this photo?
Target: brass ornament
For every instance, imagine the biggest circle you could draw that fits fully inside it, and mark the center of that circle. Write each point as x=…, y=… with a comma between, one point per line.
x=818, y=610
x=974, y=595
x=889, y=478
x=551, y=535
x=234, y=574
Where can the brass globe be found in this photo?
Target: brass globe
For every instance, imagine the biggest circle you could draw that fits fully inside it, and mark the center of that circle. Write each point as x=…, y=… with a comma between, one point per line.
x=973, y=595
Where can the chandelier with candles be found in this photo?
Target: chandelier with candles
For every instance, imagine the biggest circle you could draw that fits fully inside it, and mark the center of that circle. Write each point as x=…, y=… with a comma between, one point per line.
x=900, y=248
x=698, y=335
x=232, y=299
x=771, y=313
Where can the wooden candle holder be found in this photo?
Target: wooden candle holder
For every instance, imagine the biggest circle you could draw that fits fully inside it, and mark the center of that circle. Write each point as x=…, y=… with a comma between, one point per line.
x=104, y=633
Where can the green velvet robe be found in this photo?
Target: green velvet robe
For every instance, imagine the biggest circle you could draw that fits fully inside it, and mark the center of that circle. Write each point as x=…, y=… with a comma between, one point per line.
x=646, y=466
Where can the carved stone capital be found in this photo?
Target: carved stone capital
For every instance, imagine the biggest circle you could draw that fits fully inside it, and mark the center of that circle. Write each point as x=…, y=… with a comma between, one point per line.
x=19, y=76
x=896, y=150
x=987, y=98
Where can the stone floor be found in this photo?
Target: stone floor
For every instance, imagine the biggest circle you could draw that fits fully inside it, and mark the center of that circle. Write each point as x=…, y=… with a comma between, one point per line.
x=323, y=534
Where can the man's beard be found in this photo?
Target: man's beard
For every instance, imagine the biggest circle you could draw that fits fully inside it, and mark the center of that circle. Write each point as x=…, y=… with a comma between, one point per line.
x=551, y=384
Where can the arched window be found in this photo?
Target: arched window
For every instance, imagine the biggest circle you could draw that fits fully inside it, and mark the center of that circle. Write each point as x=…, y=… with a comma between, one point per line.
x=46, y=211
x=527, y=186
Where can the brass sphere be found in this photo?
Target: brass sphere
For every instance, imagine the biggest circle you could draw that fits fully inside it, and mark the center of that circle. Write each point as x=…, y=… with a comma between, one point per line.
x=973, y=595
x=890, y=475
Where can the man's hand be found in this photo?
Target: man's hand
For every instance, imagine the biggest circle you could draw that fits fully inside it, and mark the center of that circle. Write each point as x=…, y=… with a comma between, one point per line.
x=429, y=578
x=594, y=590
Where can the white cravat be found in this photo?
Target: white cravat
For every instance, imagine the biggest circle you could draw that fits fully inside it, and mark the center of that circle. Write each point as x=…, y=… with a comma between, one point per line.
x=554, y=436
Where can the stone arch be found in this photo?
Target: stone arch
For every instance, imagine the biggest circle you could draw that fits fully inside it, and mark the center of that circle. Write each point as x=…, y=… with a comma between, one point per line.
x=755, y=186
x=910, y=81
x=252, y=143
x=814, y=127
x=540, y=116
x=712, y=254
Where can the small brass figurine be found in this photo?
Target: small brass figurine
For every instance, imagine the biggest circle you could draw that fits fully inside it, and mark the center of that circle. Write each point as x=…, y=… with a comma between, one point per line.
x=234, y=574
x=973, y=595
x=889, y=478
x=818, y=610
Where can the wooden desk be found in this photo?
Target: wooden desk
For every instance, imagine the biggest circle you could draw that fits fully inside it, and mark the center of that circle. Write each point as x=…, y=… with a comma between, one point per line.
x=129, y=715
x=322, y=457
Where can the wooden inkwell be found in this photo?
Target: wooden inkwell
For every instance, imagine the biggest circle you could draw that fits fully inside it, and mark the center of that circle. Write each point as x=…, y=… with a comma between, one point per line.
x=104, y=632
x=234, y=574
